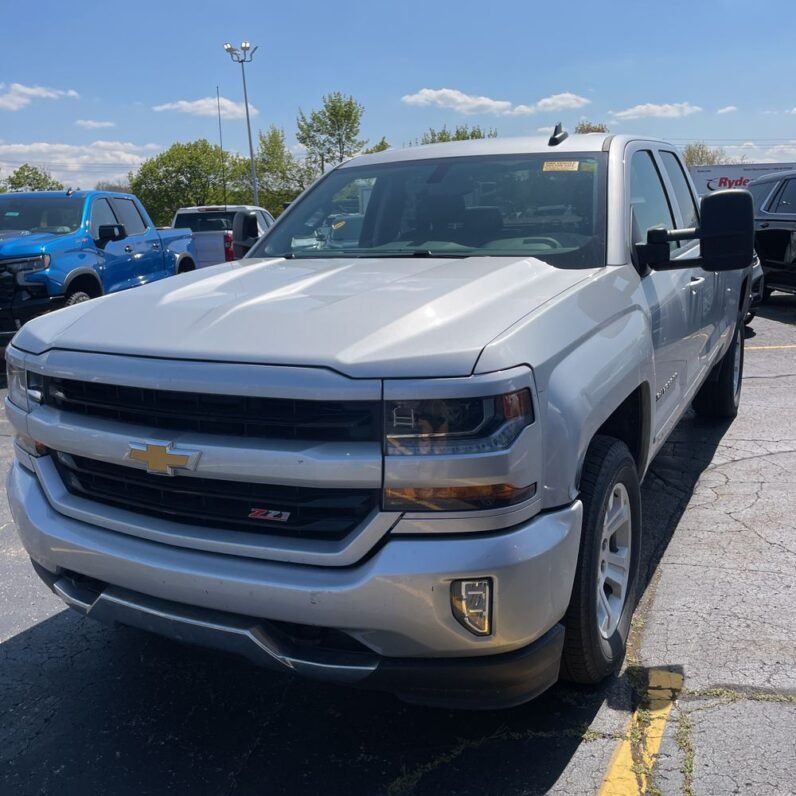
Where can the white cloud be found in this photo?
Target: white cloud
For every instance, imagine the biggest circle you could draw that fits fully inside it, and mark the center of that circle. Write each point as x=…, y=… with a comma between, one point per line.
x=727, y=109
x=673, y=110
x=470, y=104
x=208, y=106
x=16, y=96
x=561, y=102
x=93, y=124
x=456, y=100
x=78, y=165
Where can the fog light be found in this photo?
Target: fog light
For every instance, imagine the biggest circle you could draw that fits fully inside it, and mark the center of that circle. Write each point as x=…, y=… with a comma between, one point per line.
x=30, y=445
x=471, y=601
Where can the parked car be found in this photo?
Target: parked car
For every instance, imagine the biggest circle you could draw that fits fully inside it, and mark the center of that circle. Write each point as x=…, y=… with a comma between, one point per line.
x=409, y=463
x=775, y=230
x=212, y=227
x=59, y=248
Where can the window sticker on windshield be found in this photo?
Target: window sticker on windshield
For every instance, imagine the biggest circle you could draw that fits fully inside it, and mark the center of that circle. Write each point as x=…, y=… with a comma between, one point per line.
x=588, y=165
x=560, y=165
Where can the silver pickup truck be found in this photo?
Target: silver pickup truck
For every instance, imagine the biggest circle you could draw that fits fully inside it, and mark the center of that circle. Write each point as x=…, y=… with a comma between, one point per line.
x=406, y=457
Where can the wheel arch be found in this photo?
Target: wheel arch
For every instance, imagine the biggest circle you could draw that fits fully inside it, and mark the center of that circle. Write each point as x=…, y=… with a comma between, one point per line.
x=602, y=387
x=85, y=279
x=185, y=262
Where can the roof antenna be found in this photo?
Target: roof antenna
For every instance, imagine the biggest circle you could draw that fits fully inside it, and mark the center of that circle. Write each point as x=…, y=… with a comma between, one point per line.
x=559, y=135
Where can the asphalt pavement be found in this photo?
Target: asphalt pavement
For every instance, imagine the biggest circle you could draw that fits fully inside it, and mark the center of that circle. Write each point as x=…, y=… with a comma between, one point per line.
x=706, y=703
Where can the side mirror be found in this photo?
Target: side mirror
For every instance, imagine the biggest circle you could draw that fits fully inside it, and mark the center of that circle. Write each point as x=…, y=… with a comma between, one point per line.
x=727, y=231
x=726, y=236
x=110, y=232
x=244, y=232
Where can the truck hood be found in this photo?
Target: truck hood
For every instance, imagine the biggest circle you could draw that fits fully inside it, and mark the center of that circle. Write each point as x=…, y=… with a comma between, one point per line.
x=22, y=244
x=365, y=317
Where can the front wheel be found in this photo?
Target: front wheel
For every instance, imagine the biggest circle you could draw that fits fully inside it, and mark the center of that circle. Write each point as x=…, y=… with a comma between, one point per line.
x=597, y=621
x=77, y=297
x=720, y=396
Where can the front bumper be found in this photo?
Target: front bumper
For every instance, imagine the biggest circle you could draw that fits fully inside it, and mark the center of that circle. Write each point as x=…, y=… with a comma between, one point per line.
x=24, y=307
x=395, y=604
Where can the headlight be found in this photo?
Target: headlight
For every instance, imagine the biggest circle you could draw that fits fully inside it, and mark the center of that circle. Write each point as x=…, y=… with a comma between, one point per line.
x=22, y=386
x=17, y=386
x=27, y=264
x=456, y=425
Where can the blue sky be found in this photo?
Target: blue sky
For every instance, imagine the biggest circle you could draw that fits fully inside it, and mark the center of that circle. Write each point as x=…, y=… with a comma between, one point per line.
x=81, y=81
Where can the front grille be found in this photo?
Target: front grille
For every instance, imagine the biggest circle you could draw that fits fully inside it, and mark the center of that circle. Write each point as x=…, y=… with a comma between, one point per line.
x=230, y=415
x=8, y=285
x=297, y=512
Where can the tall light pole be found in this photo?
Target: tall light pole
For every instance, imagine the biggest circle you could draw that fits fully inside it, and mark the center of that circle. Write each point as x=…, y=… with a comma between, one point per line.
x=243, y=56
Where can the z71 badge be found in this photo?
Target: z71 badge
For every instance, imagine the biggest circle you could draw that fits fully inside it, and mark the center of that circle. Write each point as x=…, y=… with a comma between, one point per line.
x=269, y=515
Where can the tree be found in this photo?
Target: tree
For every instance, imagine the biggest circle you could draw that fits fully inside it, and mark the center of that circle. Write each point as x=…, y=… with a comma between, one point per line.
x=585, y=126
x=30, y=178
x=109, y=185
x=700, y=154
x=280, y=174
x=189, y=174
x=380, y=147
x=331, y=134
x=461, y=132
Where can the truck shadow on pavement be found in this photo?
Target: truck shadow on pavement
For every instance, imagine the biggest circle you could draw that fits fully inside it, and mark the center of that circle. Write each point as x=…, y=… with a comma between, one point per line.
x=781, y=307
x=91, y=709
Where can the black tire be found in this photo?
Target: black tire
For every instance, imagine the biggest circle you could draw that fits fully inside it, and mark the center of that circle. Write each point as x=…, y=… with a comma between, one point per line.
x=750, y=316
x=590, y=655
x=720, y=396
x=78, y=297
x=766, y=295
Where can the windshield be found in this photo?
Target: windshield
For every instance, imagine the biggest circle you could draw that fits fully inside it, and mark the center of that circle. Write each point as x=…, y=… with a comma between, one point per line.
x=541, y=205
x=206, y=221
x=56, y=215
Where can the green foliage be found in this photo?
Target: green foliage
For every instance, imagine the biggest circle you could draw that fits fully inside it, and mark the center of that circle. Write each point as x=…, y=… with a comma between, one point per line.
x=108, y=185
x=189, y=174
x=280, y=175
x=461, y=132
x=30, y=178
x=700, y=154
x=380, y=147
x=590, y=127
x=331, y=134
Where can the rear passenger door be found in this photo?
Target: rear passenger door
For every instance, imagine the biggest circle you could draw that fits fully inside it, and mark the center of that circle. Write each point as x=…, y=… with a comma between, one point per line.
x=142, y=242
x=673, y=316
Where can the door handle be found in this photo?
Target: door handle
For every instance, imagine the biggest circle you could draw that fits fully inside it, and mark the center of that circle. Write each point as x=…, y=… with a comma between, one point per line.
x=697, y=280
x=128, y=249
x=155, y=245
x=764, y=225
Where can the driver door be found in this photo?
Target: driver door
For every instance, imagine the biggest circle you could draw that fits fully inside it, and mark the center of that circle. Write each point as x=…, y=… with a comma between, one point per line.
x=115, y=258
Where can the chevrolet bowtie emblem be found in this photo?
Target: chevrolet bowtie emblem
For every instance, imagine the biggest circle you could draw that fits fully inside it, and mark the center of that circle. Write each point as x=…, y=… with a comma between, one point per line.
x=162, y=459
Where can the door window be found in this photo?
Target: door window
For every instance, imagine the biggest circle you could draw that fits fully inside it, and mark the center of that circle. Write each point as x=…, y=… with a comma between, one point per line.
x=648, y=199
x=787, y=199
x=101, y=213
x=129, y=216
x=682, y=191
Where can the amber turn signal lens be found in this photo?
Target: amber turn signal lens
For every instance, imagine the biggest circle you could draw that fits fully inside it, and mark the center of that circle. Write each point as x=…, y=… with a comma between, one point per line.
x=456, y=498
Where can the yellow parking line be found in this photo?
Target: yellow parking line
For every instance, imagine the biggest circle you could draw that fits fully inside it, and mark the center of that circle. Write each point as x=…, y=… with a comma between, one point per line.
x=768, y=347
x=626, y=775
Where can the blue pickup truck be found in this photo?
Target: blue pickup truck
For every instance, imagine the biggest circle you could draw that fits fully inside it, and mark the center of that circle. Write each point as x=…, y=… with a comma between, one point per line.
x=63, y=247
